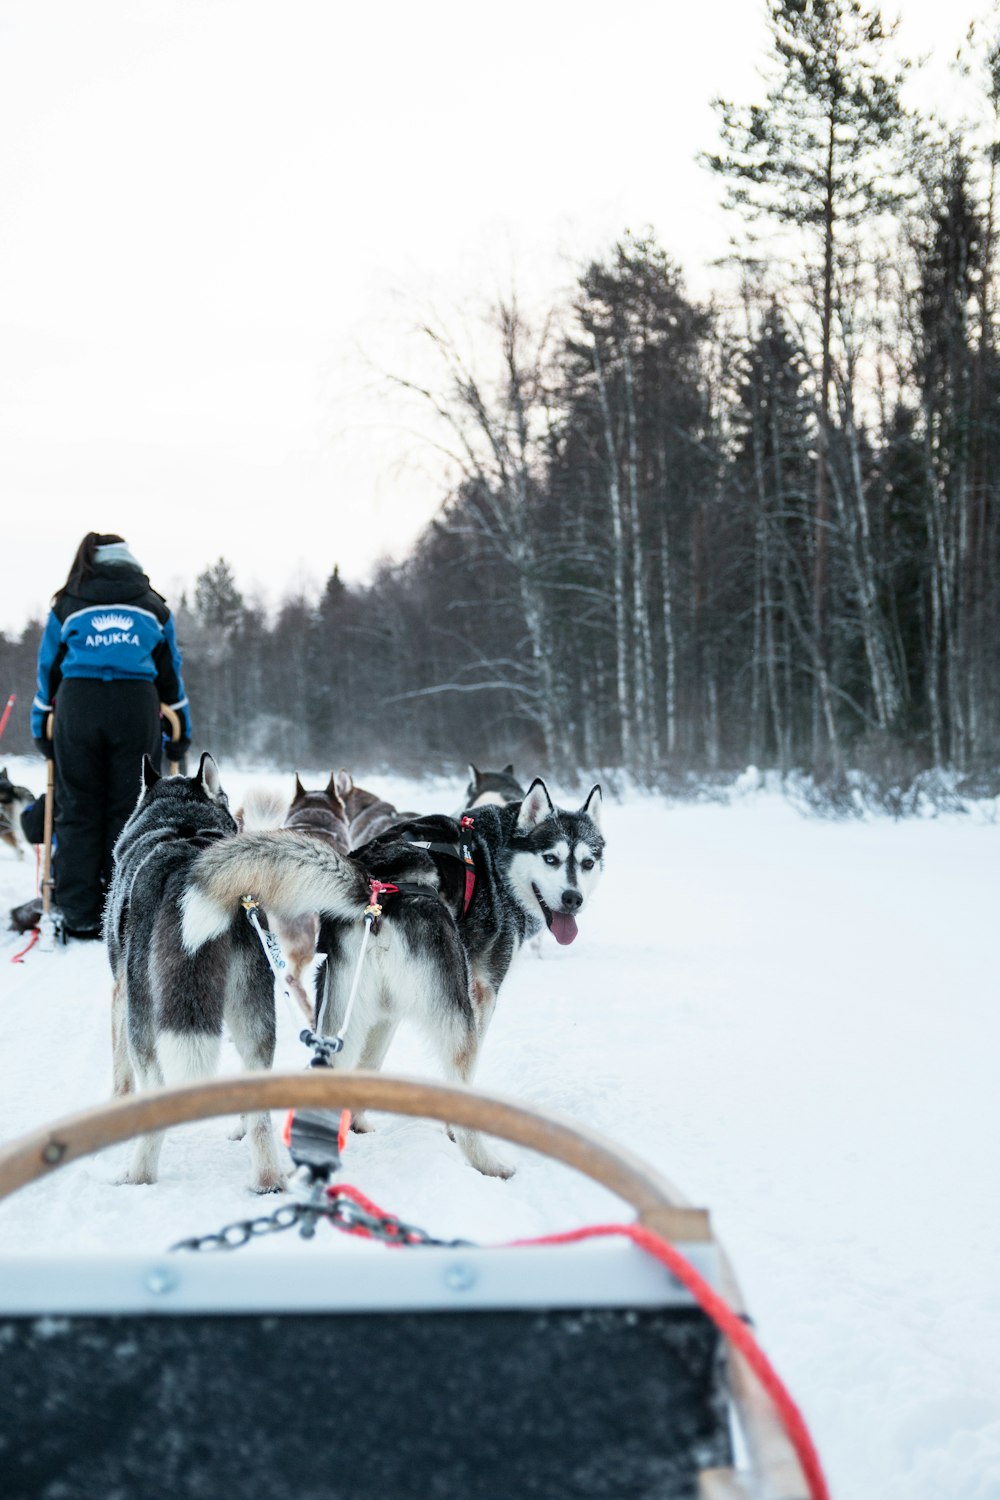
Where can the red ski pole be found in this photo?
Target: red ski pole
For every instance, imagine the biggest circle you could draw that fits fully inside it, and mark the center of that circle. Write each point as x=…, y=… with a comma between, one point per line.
x=6, y=713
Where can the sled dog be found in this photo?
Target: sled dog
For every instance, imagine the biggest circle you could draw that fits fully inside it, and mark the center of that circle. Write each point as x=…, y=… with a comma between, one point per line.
x=534, y=866
x=320, y=813
x=262, y=807
x=495, y=788
x=368, y=815
x=13, y=801
x=171, y=999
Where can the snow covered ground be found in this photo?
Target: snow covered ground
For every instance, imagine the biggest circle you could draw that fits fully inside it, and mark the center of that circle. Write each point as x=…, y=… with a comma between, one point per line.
x=795, y=1020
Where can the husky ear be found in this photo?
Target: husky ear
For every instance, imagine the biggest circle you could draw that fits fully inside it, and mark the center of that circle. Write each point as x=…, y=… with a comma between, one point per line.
x=508, y=769
x=300, y=790
x=208, y=777
x=345, y=782
x=334, y=796
x=536, y=807
x=594, y=805
x=473, y=776
x=150, y=775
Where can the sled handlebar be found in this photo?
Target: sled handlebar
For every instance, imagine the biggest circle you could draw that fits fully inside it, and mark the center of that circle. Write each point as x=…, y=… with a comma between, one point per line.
x=657, y=1202
x=173, y=718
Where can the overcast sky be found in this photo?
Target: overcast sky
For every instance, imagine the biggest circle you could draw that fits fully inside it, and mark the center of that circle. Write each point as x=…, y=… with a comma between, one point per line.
x=221, y=219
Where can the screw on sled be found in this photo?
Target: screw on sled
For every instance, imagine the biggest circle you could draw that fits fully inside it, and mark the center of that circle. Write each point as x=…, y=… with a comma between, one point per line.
x=557, y=1371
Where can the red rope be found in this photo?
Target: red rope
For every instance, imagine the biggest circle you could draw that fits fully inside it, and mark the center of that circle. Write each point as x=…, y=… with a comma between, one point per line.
x=722, y=1315
x=729, y=1323
x=344, y=1190
x=18, y=958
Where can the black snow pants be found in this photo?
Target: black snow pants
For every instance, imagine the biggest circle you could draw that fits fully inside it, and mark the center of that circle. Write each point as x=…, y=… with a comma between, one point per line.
x=102, y=730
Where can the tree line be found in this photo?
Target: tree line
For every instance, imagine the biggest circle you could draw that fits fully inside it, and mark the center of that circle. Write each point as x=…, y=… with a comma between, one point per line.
x=690, y=535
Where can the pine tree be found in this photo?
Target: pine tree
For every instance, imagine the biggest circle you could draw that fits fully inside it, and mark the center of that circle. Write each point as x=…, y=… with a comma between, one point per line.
x=815, y=156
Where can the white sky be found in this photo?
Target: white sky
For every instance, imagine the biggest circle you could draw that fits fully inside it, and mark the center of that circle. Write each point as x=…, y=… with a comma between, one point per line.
x=220, y=219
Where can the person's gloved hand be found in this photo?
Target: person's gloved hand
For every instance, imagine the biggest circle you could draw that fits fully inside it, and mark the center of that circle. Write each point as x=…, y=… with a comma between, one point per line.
x=44, y=747
x=176, y=749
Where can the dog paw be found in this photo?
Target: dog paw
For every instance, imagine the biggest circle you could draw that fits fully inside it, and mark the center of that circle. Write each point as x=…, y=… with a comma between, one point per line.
x=237, y=1133
x=360, y=1124
x=479, y=1155
x=135, y=1179
x=492, y=1166
x=269, y=1182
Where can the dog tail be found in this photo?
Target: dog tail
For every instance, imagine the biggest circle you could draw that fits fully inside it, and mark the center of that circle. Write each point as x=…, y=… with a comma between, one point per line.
x=263, y=808
x=289, y=874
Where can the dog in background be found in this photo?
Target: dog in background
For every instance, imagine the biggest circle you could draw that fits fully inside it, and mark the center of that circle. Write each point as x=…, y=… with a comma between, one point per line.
x=262, y=807
x=368, y=814
x=492, y=788
x=14, y=800
x=321, y=814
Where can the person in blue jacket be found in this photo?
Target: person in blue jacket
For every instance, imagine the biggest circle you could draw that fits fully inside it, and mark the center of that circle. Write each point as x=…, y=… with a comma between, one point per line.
x=108, y=658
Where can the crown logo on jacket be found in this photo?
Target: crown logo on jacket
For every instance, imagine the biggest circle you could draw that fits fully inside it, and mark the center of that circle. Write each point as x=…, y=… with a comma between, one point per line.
x=112, y=622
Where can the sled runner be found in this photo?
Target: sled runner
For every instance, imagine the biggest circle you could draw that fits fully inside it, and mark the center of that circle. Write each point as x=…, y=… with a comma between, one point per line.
x=555, y=1370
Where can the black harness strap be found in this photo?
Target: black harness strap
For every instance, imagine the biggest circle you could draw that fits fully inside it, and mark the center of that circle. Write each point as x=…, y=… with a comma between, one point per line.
x=459, y=850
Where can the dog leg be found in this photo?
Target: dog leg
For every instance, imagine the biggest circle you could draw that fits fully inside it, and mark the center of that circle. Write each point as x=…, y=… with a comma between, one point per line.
x=372, y=1056
x=143, y=1169
x=459, y=1060
x=249, y=1016
x=484, y=1001
x=298, y=943
x=123, y=1081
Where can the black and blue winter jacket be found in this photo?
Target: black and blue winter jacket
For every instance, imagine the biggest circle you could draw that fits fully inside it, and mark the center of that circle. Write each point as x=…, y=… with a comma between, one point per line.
x=113, y=628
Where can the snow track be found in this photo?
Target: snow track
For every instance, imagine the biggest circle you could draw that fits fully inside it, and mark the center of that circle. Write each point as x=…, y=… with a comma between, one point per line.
x=795, y=1020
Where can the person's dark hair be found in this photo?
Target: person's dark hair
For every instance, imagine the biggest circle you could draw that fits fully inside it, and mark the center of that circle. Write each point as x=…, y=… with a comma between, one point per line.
x=83, y=563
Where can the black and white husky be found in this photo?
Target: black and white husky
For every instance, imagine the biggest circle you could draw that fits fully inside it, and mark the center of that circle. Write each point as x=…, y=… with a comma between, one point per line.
x=186, y=960
x=170, y=1001
x=534, y=865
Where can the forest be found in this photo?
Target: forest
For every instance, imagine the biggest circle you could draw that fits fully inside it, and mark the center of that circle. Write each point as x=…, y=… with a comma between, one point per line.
x=687, y=537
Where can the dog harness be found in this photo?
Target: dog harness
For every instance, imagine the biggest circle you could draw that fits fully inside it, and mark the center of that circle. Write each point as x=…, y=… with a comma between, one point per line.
x=457, y=850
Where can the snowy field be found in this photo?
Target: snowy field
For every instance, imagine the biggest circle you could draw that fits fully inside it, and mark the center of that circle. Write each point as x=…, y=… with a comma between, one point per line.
x=795, y=1020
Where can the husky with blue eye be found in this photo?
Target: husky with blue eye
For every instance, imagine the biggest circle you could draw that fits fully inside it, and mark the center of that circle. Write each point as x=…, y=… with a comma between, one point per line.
x=531, y=866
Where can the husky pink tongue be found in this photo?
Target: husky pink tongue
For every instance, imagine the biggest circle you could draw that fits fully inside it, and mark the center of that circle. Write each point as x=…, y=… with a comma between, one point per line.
x=562, y=927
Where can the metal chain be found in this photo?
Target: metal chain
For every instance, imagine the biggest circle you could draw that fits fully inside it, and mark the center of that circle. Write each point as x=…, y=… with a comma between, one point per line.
x=343, y=1213
x=233, y=1236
